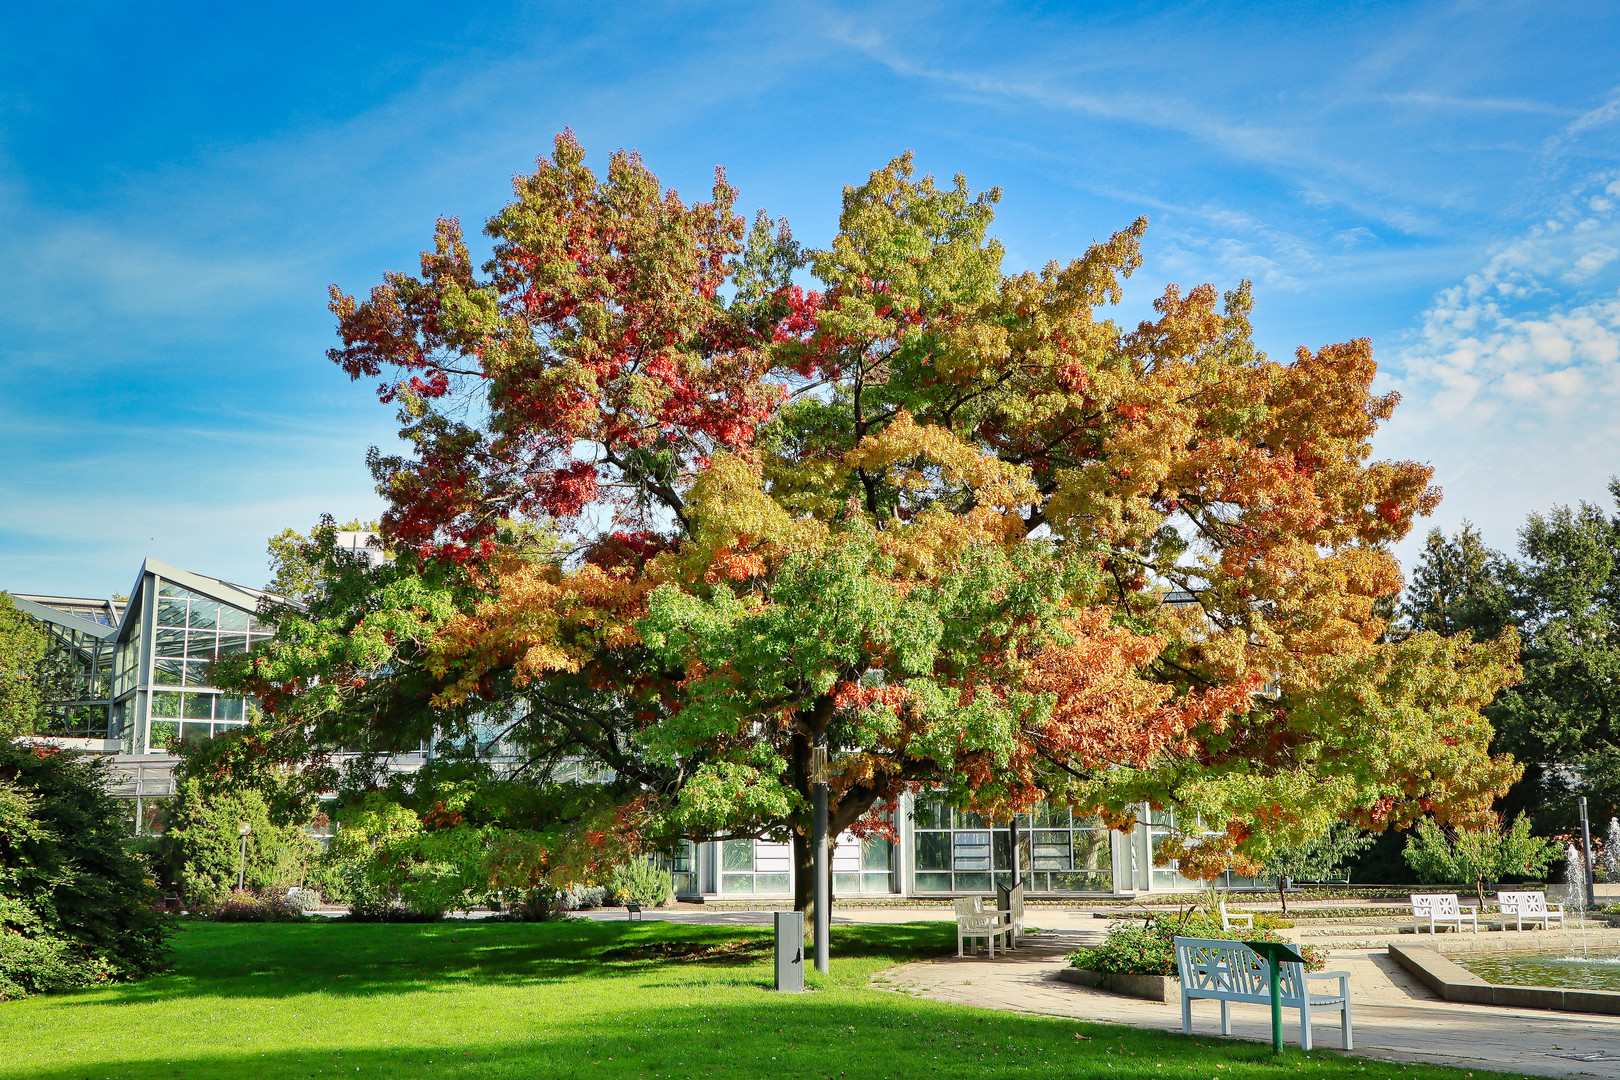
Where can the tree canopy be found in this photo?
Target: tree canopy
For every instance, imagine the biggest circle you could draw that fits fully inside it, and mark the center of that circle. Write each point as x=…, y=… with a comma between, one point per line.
x=680, y=496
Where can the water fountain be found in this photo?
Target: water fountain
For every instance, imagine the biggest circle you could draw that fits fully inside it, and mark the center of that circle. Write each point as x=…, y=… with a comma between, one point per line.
x=1575, y=889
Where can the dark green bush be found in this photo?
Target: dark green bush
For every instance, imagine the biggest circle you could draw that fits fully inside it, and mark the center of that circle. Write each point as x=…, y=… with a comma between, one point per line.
x=75, y=901
x=204, y=848
x=641, y=882
x=246, y=907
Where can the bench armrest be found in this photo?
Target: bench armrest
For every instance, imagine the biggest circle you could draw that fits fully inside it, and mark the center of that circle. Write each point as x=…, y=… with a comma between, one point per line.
x=1327, y=974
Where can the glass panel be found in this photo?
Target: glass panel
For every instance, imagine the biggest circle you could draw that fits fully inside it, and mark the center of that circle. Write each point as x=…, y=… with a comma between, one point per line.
x=171, y=613
x=1083, y=882
x=966, y=819
x=228, y=708
x=1050, y=817
x=972, y=882
x=154, y=816
x=204, y=614
x=232, y=618
x=201, y=645
x=199, y=706
x=127, y=810
x=844, y=884
x=877, y=883
x=736, y=883
x=972, y=852
x=232, y=643
x=934, y=852
x=171, y=642
x=1001, y=850
x=876, y=853
x=771, y=883
x=1092, y=850
x=194, y=731
x=197, y=673
x=737, y=855
x=167, y=671
x=169, y=588
x=932, y=815
x=164, y=734
x=933, y=882
x=251, y=712
x=165, y=703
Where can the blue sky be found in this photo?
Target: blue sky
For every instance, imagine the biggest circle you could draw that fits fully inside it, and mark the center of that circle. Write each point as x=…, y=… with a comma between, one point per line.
x=179, y=184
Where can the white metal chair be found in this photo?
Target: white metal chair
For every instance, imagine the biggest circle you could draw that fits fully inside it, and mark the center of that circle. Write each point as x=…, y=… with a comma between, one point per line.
x=1441, y=909
x=1243, y=920
x=972, y=922
x=1531, y=906
x=1229, y=971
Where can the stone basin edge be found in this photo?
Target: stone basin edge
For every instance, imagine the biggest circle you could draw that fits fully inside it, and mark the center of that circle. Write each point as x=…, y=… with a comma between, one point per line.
x=1453, y=982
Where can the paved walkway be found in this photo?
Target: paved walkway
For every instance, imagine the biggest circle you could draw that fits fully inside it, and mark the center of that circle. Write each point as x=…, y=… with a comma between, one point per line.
x=1396, y=1018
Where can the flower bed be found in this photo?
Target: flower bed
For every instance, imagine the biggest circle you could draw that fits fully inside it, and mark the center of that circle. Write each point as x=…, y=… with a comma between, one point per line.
x=1147, y=947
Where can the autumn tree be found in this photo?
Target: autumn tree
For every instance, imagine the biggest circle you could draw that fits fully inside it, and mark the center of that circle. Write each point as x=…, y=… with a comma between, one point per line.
x=927, y=509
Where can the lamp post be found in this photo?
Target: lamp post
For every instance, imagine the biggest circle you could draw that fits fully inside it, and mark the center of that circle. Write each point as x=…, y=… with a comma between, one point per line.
x=242, y=830
x=818, y=842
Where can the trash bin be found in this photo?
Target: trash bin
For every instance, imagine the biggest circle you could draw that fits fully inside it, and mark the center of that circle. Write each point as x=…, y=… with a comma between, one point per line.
x=790, y=951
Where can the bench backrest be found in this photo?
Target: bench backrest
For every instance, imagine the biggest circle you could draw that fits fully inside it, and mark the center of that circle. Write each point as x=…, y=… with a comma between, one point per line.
x=1522, y=903
x=967, y=905
x=1015, y=904
x=1443, y=905
x=1213, y=964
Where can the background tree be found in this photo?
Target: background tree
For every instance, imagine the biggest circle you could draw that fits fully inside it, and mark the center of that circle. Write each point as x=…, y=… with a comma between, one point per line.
x=203, y=847
x=1476, y=855
x=1314, y=859
x=928, y=512
x=1459, y=586
x=22, y=679
x=297, y=559
x=1562, y=596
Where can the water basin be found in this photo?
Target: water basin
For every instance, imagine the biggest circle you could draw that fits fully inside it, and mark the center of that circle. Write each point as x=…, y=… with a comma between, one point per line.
x=1600, y=970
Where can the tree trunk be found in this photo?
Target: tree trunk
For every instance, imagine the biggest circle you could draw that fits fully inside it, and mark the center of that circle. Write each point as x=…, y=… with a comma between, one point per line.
x=1282, y=892
x=804, y=873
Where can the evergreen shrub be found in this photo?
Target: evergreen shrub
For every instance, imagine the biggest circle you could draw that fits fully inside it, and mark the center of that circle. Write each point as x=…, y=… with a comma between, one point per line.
x=76, y=903
x=639, y=881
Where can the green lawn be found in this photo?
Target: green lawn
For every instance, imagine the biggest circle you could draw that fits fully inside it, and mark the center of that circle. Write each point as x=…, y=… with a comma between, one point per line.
x=574, y=999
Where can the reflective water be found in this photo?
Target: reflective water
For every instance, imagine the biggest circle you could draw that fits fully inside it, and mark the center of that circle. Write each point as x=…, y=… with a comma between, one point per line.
x=1600, y=971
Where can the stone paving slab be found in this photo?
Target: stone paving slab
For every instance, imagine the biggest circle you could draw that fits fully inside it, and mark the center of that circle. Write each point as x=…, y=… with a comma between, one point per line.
x=1396, y=1018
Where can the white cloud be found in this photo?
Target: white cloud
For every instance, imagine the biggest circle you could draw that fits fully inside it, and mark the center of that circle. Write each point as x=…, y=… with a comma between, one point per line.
x=1511, y=381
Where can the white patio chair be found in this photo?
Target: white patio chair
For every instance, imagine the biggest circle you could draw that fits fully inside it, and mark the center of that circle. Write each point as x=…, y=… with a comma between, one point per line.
x=973, y=922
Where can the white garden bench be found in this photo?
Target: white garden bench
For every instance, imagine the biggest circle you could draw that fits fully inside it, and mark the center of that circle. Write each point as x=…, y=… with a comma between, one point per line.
x=1531, y=906
x=974, y=922
x=1229, y=971
x=1441, y=909
x=1242, y=920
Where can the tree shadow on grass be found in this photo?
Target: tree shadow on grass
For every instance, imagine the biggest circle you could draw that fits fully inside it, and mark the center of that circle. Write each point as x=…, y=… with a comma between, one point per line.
x=358, y=959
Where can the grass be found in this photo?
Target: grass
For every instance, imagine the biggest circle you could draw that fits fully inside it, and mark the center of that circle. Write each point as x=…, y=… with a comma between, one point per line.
x=576, y=999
